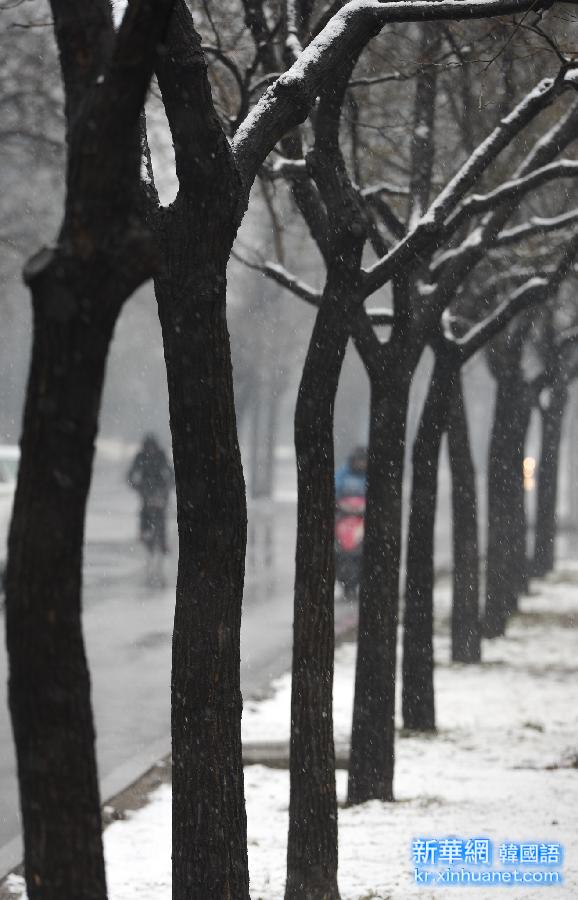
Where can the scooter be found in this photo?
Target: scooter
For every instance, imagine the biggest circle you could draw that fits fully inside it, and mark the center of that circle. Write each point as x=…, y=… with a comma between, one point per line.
x=349, y=531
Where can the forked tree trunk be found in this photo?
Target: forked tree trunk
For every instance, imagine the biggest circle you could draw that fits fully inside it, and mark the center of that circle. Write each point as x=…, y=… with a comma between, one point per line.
x=506, y=551
x=465, y=626
x=371, y=765
x=49, y=687
x=312, y=845
x=418, y=704
x=209, y=821
x=547, y=479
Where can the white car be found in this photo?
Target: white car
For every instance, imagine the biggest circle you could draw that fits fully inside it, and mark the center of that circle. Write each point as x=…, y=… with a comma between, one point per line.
x=9, y=457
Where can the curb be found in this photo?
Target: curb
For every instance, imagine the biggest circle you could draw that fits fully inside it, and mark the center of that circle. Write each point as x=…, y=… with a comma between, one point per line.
x=139, y=768
x=111, y=786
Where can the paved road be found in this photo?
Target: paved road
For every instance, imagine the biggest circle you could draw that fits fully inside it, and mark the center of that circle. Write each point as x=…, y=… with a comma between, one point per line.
x=128, y=633
x=128, y=629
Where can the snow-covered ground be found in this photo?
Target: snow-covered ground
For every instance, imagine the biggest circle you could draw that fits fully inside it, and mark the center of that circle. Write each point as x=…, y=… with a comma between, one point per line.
x=503, y=765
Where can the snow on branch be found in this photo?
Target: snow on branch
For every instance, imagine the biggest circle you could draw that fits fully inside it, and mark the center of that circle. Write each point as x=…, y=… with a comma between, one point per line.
x=554, y=141
x=283, y=277
x=300, y=288
x=430, y=226
x=537, y=289
x=380, y=316
x=528, y=294
x=511, y=190
x=370, y=80
x=287, y=102
x=384, y=187
x=452, y=266
x=536, y=225
x=538, y=99
x=283, y=167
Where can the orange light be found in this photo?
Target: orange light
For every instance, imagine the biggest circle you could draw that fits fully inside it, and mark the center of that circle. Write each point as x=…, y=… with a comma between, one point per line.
x=529, y=468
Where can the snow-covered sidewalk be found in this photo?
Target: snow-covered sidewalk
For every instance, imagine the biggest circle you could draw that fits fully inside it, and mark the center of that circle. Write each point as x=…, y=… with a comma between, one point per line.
x=503, y=765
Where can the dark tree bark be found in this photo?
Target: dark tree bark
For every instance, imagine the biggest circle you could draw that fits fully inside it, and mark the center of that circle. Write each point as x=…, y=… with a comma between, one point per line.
x=444, y=410
x=418, y=663
x=373, y=733
x=49, y=680
x=195, y=236
x=520, y=566
x=102, y=255
x=372, y=759
x=465, y=626
x=312, y=851
x=209, y=820
x=552, y=416
x=312, y=845
x=506, y=569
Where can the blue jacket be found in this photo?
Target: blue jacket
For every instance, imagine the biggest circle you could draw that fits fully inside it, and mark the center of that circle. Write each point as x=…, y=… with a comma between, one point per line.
x=349, y=483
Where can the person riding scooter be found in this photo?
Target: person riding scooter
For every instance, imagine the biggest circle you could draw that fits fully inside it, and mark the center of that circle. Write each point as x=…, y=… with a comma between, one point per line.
x=350, y=486
x=351, y=477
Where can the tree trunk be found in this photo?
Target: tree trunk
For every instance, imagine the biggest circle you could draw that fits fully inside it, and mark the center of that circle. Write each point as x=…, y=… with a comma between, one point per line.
x=547, y=479
x=418, y=663
x=506, y=551
x=312, y=846
x=465, y=628
x=209, y=822
x=372, y=739
x=49, y=685
x=264, y=412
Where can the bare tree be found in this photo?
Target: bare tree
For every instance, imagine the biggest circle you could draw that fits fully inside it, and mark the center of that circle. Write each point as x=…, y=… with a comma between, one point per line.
x=465, y=624
x=551, y=392
x=78, y=286
x=450, y=355
x=507, y=568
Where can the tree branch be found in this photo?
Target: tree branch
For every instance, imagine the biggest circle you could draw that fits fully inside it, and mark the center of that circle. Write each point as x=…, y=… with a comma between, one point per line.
x=430, y=226
x=510, y=190
x=453, y=266
x=84, y=37
x=535, y=290
x=127, y=79
x=536, y=225
x=287, y=102
x=380, y=316
x=280, y=275
x=202, y=152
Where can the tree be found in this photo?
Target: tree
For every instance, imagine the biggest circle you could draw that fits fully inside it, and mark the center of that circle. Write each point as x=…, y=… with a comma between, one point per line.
x=506, y=574
x=372, y=757
x=517, y=394
x=552, y=398
x=465, y=624
x=78, y=287
x=450, y=355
